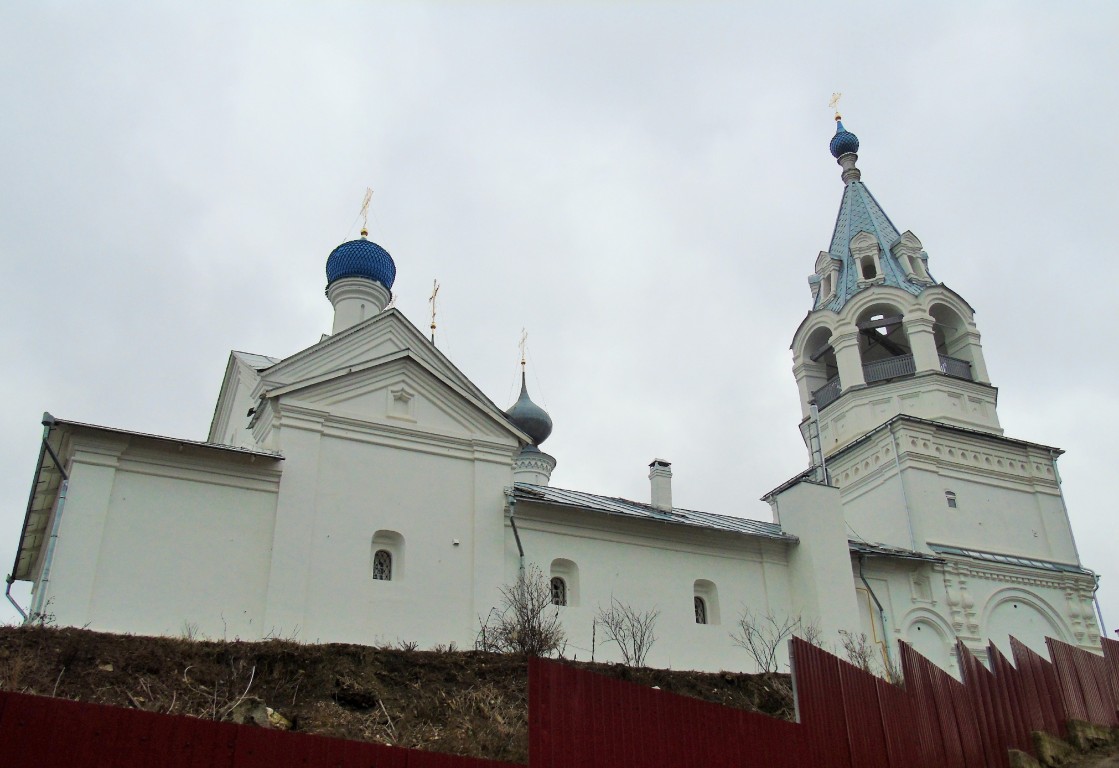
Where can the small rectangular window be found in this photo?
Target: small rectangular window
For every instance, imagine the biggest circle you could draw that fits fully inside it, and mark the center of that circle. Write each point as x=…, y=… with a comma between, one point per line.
x=950, y=497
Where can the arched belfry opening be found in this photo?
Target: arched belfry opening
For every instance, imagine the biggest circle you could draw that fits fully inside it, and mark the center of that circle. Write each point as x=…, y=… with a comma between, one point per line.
x=821, y=368
x=883, y=344
x=958, y=353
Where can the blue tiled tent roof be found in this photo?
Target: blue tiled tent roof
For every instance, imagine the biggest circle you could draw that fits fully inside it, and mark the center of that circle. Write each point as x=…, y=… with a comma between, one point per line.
x=860, y=212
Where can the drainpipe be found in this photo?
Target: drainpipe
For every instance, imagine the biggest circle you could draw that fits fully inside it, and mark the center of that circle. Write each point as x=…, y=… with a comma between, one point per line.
x=1096, y=600
x=815, y=415
x=904, y=495
x=881, y=611
x=44, y=580
x=12, y=600
x=512, y=502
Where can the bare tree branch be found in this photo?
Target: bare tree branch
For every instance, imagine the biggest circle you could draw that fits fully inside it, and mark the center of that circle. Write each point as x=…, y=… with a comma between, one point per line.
x=761, y=635
x=631, y=629
x=526, y=622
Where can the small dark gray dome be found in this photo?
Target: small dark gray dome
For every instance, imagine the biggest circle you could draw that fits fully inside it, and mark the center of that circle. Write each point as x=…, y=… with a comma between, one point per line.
x=529, y=417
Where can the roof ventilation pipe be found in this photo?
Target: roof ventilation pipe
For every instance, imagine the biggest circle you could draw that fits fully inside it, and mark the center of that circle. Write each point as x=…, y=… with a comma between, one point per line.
x=660, y=480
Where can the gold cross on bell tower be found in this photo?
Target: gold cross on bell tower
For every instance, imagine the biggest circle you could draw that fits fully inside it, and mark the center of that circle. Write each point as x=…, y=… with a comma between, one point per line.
x=522, y=344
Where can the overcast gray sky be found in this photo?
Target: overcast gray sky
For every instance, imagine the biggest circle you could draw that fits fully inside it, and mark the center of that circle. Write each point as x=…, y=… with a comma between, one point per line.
x=643, y=186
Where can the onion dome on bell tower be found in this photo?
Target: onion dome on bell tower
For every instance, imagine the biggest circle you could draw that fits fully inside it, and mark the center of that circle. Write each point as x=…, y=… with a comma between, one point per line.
x=359, y=277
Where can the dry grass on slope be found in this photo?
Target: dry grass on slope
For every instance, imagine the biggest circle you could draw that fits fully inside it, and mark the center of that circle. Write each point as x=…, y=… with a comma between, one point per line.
x=444, y=700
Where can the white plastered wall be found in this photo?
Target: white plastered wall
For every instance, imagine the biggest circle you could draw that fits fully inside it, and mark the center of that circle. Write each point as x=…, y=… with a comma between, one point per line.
x=446, y=505
x=156, y=542
x=1006, y=493
x=821, y=589
x=648, y=565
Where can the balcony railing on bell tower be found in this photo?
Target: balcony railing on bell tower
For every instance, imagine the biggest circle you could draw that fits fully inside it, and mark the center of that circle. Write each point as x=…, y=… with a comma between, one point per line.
x=897, y=367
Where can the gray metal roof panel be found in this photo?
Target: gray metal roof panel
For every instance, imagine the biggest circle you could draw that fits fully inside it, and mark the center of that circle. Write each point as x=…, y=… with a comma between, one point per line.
x=617, y=506
x=179, y=440
x=259, y=362
x=1005, y=559
x=885, y=550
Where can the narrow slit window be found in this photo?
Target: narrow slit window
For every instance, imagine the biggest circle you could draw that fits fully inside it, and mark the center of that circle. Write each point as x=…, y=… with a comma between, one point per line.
x=382, y=565
x=700, y=610
x=559, y=591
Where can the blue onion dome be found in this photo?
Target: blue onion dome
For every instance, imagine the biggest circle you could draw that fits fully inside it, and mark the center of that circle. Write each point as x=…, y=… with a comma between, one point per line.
x=361, y=258
x=529, y=417
x=843, y=142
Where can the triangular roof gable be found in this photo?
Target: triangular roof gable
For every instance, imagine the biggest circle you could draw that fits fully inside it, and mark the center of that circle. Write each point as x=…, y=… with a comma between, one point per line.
x=381, y=335
x=401, y=388
x=241, y=372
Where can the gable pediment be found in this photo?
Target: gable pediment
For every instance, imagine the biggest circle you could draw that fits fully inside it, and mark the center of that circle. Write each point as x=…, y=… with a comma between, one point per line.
x=379, y=337
x=825, y=261
x=401, y=390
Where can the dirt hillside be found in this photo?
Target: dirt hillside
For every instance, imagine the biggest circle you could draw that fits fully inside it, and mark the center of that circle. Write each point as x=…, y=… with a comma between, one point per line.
x=445, y=700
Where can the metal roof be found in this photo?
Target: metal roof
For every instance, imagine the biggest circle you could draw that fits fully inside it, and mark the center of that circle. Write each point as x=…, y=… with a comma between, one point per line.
x=615, y=506
x=176, y=440
x=860, y=212
x=1004, y=559
x=259, y=362
x=49, y=477
x=885, y=550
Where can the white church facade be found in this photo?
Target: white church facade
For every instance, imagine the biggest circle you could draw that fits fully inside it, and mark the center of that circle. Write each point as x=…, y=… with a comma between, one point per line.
x=364, y=490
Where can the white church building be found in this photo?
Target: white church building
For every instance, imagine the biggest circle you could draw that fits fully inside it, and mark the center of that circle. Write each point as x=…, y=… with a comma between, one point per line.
x=364, y=490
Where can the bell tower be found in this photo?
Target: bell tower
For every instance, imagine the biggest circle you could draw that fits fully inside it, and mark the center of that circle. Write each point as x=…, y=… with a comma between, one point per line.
x=955, y=530
x=883, y=336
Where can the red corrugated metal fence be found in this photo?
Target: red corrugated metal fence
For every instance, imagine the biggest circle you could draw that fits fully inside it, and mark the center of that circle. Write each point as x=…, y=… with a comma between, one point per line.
x=577, y=719
x=41, y=731
x=847, y=717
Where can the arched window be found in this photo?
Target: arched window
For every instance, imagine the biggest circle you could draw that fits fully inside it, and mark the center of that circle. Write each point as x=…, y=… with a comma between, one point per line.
x=706, y=602
x=564, y=575
x=864, y=251
x=559, y=591
x=382, y=565
x=950, y=498
x=386, y=556
x=868, y=266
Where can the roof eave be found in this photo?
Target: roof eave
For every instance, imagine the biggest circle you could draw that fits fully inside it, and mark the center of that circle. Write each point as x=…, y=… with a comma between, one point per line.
x=683, y=524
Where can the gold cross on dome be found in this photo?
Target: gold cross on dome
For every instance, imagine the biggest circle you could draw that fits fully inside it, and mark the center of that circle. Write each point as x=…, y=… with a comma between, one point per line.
x=365, y=211
x=431, y=300
x=523, y=342
x=834, y=103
